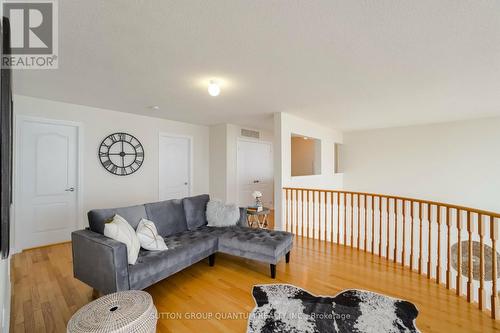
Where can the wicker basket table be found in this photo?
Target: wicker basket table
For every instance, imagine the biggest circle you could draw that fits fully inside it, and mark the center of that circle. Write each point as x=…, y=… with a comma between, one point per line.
x=125, y=311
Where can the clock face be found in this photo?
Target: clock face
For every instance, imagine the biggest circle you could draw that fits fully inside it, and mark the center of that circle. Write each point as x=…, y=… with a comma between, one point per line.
x=121, y=154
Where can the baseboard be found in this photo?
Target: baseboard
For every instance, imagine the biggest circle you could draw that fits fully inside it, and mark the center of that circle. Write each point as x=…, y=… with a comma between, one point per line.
x=5, y=295
x=44, y=246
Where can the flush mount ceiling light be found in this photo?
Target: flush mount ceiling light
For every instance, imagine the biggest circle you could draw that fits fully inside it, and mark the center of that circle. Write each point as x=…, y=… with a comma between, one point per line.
x=154, y=107
x=213, y=88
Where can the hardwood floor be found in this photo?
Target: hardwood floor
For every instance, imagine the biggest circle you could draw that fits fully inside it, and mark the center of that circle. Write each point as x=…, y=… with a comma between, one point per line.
x=45, y=294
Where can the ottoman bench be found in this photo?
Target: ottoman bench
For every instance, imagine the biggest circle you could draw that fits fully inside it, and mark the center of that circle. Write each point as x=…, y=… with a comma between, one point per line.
x=257, y=244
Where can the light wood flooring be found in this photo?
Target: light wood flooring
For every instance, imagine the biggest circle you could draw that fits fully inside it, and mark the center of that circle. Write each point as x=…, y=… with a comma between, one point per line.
x=45, y=294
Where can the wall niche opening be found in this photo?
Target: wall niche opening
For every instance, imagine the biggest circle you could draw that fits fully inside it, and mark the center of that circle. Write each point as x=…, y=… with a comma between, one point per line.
x=306, y=155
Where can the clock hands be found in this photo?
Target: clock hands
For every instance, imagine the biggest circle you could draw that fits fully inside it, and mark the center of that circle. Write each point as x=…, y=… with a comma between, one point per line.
x=122, y=154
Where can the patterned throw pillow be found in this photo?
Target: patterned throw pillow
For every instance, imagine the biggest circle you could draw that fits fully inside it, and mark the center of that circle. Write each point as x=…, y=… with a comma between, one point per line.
x=148, y=236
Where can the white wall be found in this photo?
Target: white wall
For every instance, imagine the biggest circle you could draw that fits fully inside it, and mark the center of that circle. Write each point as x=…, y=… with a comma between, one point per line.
x=455, y=162
x=218, y=161
x=232, y=134
x=102, y=189
x=284, y=126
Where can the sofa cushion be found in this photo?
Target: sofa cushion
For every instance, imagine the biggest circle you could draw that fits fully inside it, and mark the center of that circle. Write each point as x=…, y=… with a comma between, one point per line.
x=133, y=215
x=168, y=216
x=184, y=249
x=260, y=241
x=195, y=209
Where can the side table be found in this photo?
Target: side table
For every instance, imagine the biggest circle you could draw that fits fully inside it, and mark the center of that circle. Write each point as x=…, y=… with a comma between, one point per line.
x=258, y=218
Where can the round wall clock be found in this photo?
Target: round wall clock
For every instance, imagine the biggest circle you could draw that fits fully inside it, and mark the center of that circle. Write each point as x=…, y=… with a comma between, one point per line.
x=121, y=154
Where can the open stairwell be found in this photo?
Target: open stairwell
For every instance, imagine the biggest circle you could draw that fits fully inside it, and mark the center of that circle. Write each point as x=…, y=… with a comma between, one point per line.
x=452, y=246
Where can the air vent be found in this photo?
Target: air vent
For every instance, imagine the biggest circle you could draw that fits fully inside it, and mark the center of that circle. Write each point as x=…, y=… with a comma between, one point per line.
x=250, y=133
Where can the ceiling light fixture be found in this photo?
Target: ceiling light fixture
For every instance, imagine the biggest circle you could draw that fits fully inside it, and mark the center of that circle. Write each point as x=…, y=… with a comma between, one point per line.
x=154, y=107
x=213, y=88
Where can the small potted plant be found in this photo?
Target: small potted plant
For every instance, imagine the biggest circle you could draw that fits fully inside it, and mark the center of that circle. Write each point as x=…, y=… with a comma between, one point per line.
x=257, y=195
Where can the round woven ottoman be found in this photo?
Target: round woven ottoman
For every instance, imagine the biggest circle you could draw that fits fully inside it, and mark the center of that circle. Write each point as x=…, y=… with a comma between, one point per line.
x=125, y=311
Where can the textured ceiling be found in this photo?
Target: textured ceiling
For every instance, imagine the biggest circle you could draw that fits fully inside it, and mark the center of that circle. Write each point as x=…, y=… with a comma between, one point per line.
x=347, y=64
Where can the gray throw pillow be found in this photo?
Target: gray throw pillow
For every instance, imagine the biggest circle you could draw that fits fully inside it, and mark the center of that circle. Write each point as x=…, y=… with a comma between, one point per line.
x=168, y=216
x=195, y=211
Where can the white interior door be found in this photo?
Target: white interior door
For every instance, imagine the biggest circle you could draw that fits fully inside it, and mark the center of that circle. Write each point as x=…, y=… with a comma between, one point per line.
x=47, y=183
x=175, y=167
x=255, y=172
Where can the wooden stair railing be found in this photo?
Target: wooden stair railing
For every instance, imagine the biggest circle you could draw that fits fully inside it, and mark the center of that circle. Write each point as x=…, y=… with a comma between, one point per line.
x=426, y=236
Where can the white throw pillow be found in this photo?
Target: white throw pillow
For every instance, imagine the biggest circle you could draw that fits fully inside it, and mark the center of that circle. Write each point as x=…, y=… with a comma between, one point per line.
x=148, y=236
x=119, y=229
x=222, y=215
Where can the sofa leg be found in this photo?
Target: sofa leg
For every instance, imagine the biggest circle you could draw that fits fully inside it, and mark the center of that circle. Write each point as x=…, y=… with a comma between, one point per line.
x=95, y=294
x=273, y=271
x=287, y=257
x=211, y=260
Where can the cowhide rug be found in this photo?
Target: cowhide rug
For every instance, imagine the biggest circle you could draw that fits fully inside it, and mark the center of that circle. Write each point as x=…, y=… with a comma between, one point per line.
x=286, y=308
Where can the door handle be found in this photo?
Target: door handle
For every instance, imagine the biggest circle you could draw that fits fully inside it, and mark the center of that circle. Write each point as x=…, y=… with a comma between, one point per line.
x=71, y=189
x=185, y=183
x=256, y=181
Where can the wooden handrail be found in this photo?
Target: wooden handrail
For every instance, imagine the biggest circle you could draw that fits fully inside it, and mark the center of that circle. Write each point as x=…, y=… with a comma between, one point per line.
x=435, y=203
x=414, y=233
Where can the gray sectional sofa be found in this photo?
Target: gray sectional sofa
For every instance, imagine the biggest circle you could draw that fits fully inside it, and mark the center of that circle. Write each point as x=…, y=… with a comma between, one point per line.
x=101, y=262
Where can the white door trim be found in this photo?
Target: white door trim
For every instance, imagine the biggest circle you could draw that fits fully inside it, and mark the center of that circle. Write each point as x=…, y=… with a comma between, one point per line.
x=191, y=155
x=238, y=140
x=18, y=148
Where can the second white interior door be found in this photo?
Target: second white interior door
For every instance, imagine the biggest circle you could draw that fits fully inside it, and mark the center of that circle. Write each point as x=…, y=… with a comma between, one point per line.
x=175, y=167
x=255, y=172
